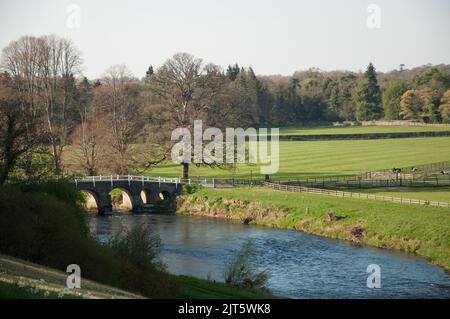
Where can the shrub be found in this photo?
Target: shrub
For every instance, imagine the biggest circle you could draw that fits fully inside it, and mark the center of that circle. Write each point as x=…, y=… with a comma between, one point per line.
x=190, y=189
x=44, y=223
x=142, y=269
x=41, y=228
x=139, y=247
x=239, y=271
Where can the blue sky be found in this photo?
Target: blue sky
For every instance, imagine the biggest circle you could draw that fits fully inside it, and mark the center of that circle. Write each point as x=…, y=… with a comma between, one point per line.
x=274, y=37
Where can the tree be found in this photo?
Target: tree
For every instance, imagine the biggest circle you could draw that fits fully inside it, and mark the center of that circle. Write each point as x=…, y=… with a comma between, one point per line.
x=333, y=102
x=391, y=99
x=60, y=62
x=120, y=102
x=184, y=90
x=411, y=105
x=149, y=74
x=21, y=60
x=444, y=108
x=430, y=108
x=13, y=128
x=232, y=72
x=368, y=97
x=88, y=136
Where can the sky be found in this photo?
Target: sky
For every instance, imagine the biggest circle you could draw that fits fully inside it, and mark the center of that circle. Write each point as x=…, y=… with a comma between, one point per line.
x=274, y=37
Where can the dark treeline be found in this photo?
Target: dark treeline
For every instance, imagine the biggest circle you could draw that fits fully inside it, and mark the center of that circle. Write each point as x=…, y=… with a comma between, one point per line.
x=55, y=120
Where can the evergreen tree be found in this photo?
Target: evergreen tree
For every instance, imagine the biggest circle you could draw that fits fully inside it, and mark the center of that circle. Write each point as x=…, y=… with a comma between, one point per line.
x=333, y=102
x=232, y=72
x=368, y=97
x=149, y=74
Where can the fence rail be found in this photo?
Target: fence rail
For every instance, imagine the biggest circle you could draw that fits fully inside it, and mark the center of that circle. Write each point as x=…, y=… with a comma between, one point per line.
x=129, y=178
x=337, y=193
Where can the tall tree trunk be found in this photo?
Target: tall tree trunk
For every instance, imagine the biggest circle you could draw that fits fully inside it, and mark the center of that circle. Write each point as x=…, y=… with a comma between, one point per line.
x=185, y=170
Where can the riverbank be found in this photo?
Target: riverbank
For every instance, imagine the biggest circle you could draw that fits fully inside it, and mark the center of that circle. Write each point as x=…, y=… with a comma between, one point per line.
x=20, y=279
x=421, y=230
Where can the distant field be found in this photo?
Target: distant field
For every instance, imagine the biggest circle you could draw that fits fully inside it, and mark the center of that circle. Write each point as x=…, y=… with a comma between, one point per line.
x=299, y=159
x=321, y=130
x=440, y=193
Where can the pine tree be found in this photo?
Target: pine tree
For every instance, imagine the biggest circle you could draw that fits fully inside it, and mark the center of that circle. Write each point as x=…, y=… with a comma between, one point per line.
x=232, y=72
x=368, y=97
x=149, y=74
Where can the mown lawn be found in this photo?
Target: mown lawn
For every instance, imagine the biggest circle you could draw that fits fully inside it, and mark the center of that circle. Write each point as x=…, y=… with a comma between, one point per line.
x=432, y=193
x=300, y=159
x=322, y=130
x=411, y=228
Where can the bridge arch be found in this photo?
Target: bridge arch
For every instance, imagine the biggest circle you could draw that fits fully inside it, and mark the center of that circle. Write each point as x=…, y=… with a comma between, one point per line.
x=164, y=195
x=91, y=200
x=122, y=199
x=146, y=196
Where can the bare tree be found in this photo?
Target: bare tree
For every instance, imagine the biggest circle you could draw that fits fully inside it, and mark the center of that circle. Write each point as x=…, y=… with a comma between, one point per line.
x=60, y=62
x=121, y=103
x=88, y=136
x=185, y=90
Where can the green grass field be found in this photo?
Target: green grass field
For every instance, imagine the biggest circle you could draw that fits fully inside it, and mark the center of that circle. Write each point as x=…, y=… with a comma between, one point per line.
x=321, y=130
x=411, y=228
x=431, y=193
x=300, y=159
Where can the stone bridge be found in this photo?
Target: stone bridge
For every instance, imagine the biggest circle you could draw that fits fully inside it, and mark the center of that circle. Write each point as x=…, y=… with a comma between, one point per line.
x=139, y=193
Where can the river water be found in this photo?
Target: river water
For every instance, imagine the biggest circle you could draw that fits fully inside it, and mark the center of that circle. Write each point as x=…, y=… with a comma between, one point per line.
x=300, y=265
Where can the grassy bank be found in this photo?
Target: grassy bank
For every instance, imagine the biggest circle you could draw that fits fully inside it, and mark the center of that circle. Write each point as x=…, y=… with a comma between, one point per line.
x=414, y=229
x=20, y=279
x=300, y=159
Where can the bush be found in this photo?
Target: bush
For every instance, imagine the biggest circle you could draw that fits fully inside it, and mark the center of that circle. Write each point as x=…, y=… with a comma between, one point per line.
x=240, y=273
x=190, y=189
x=42, y=228
x=139, y=247
x=45, y=223
x=142, y=269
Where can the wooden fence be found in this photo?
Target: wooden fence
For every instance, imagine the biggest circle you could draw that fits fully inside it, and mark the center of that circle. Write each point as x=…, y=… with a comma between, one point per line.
x=337, y=193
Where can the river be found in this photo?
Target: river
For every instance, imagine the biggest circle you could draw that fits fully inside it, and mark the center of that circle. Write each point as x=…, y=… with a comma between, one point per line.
x=300, y=265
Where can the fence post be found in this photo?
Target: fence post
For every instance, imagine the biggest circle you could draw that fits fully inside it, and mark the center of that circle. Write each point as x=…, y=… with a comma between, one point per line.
x=93, y=180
